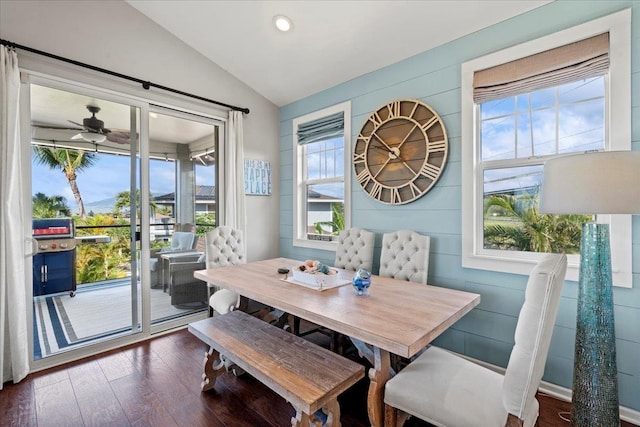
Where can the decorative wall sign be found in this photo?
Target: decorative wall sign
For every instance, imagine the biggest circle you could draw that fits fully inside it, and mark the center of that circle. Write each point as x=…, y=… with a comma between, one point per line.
x=257, y=177
x=400, y=152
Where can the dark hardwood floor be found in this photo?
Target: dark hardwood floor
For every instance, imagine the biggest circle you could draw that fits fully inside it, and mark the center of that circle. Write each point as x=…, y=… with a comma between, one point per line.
x=157, y=383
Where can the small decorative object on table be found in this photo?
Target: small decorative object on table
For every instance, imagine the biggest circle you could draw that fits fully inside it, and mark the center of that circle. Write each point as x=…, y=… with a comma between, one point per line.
x=315, y=273
x=362, y=281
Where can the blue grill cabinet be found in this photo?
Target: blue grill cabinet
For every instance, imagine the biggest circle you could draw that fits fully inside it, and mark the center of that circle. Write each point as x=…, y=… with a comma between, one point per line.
x=54, y=263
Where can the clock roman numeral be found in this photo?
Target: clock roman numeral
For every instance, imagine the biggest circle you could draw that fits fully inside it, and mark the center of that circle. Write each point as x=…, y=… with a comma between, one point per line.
x=395, y=196
x=415, y=191
x=363, y=177
x=358, y=158
x=435, y=146
x=394, y=109
x=433, y=120
x=375, y=119
x=376, y=190
x=430, y=171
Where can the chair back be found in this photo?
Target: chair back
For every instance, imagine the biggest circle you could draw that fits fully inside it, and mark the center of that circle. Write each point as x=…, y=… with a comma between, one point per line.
x=355, y=249
x=183, y=241
x=533, y=334
x=405, y=256
x=224, y=246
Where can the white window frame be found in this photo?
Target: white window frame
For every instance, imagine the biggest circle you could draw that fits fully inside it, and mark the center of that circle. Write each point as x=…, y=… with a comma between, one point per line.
x=299, y=173
x=617, y=137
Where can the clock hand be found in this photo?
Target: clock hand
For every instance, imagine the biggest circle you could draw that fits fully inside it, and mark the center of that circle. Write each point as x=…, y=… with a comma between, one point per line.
x=394, y=152
x=409, y=167
x=406, y=136
x=381, y=168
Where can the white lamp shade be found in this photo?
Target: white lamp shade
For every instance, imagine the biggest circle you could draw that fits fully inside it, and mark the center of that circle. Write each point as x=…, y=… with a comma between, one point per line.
x=592, y=183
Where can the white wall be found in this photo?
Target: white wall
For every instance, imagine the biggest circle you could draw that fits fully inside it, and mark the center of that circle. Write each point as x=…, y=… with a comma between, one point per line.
x=115, y=36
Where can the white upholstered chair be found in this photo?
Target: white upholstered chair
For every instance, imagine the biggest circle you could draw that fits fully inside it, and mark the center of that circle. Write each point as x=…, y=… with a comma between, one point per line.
x=224, y=246
x=404, y=256
x=446, y=390
x=355, y=249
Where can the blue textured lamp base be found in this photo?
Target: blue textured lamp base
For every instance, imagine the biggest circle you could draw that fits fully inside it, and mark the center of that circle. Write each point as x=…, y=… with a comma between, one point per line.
x=595, y=376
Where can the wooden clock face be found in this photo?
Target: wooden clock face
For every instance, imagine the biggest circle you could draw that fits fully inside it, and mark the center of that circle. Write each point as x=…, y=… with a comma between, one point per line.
x=400, y=152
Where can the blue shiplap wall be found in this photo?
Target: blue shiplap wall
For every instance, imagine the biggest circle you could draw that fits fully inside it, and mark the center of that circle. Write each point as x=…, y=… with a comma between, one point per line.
x=434, y=77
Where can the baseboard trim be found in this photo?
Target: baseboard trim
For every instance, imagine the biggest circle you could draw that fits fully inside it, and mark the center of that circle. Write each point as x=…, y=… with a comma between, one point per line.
x=561, y=393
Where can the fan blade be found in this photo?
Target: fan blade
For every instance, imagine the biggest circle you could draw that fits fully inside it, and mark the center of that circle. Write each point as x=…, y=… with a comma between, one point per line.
x=77, y=136
x=118, y=137
x=77, y=124
x=55, y=127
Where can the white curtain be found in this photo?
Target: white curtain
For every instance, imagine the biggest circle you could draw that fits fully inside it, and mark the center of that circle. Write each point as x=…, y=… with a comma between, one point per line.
x=14, y=337
x=235, y=215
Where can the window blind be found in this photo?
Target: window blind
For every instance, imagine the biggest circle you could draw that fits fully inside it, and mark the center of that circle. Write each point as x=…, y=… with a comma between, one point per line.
x=575, y=61
x=321, y=129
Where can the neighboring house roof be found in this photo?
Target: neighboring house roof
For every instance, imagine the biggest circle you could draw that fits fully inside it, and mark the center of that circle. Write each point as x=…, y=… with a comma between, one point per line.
x=314, y=196
x=203, y=193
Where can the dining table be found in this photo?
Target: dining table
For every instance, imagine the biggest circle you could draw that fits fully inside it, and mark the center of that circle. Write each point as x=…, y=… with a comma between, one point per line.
x=396, y=317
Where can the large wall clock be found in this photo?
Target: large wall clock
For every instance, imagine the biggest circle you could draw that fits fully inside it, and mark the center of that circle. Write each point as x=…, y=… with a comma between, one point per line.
x=400, y=152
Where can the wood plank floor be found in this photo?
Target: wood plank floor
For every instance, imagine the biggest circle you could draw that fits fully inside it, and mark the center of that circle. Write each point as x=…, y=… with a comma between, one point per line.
x=156, y=383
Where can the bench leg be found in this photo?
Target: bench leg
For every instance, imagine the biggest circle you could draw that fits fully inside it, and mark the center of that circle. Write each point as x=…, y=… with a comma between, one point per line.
x=213, y=365
x=305, y=420
x=332, y=409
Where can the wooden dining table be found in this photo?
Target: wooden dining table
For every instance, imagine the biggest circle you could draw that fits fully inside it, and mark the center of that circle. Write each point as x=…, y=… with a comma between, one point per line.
x=396, y=317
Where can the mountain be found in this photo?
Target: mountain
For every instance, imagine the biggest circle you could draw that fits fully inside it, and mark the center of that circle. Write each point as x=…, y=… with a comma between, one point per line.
x=101, y=206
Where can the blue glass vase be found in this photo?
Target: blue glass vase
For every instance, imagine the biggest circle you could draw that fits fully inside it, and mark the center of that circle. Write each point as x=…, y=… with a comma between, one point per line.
x=361, y=281
x=595, y=384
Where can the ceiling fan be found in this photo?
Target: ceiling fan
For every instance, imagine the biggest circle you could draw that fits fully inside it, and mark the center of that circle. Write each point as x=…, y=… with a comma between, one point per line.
x=92, y=129
x=95, y=132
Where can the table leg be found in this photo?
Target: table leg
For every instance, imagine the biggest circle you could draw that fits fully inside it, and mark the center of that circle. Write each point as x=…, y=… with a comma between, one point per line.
x=378, y=376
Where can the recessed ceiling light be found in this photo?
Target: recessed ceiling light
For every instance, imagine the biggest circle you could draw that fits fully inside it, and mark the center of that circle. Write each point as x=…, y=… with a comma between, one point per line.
x=282, y=23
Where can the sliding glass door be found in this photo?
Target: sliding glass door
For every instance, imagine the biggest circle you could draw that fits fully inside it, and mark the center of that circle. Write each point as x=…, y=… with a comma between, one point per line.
x=117, y=245
x=85, y=174
x=182, y=187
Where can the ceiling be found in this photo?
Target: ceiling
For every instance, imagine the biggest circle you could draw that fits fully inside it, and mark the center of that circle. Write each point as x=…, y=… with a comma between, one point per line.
x=331, y=41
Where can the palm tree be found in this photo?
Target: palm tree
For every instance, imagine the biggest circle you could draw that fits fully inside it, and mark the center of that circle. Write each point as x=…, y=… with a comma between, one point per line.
x=49, y=207
x=69, y=162
x=528, y=230
x=336, y=223
x=123, y=201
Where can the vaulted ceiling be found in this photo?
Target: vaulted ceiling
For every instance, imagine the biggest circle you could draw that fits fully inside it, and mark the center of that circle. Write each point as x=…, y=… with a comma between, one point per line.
x=331, y=41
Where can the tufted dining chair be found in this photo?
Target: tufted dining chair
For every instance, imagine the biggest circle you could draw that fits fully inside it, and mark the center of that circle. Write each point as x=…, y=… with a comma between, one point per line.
x=355, y=249
x=447, y=390
x=224, y=246
x=404, y=256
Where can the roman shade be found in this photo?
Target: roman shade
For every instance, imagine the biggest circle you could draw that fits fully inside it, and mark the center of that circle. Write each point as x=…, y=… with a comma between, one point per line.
x=321, y=129
x=575, y=61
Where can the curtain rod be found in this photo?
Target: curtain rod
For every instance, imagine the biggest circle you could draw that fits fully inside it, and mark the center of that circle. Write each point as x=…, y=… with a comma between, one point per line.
x=145, y=84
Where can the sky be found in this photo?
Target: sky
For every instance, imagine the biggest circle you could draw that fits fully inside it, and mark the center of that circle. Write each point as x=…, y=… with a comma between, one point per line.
x=108, y=176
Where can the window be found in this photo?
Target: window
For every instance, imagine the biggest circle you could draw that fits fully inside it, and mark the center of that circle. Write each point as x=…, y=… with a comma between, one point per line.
x=522, y=106
x=321, y=176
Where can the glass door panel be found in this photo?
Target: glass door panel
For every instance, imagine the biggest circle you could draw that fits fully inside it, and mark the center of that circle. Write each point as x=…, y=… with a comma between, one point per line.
x=182, y=181
x=85, y=193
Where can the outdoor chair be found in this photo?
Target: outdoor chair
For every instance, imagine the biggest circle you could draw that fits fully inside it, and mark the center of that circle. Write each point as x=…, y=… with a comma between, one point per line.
x=447, y=390
x=186, y=290
x=181, y=241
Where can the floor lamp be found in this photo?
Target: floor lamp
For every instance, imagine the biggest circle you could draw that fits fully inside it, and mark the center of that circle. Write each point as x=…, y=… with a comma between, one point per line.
x=594, y=183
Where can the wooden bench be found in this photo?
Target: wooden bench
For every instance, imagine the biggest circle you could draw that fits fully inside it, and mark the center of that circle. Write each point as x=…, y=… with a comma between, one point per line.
x=309, y=377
